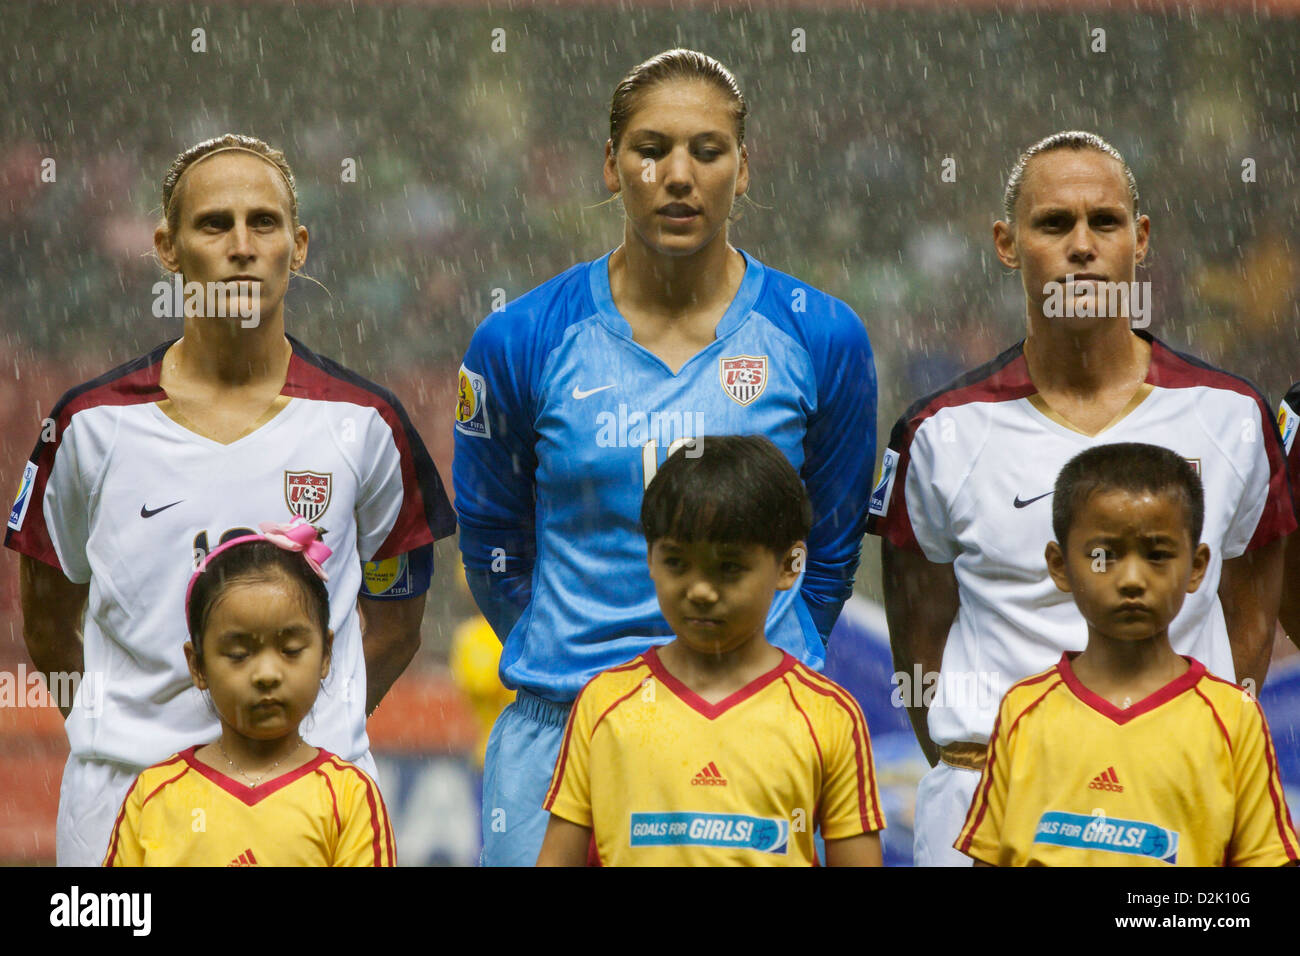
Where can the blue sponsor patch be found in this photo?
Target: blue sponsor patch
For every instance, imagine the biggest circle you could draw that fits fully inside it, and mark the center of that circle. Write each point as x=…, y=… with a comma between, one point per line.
x=711, y=829
x=19, y=511
x=1134, y=837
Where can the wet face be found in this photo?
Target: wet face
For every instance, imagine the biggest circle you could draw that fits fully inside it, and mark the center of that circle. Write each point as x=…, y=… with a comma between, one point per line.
x=235, y=223
x=1074, y=217
x=1129, y=562
x=678, y=166
x=716, y=596
x=264, y=657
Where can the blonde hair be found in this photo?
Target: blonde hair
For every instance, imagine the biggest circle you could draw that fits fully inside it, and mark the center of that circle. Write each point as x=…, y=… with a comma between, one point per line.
x=200, y=151
x=1068, y=139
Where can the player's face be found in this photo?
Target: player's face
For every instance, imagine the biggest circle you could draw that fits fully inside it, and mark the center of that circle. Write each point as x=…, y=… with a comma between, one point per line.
x=1130, y=563
x=679, y=166
x=235, y=222
x=716, y=597
x=1074, y=218
x=264, y=657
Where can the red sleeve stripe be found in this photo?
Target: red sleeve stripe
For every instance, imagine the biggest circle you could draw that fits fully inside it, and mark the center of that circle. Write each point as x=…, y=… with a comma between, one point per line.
x=558, y=774
x=1281, y=814
x=868, y=809
x=1227, y=738
x=170, y=780
x=133, y=383
x=426, y=514
x=1004, y=379
x=121, y=814
x=334, y=800
x=553, y=790
x=981, y=802
x=785, y=679
x=1037, y=700
x=612, y=706
x=986, y=781
x=382, y=841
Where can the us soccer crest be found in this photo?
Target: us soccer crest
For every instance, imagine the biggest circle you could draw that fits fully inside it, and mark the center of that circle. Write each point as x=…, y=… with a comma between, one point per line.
x=743, y=377
x=307, y=493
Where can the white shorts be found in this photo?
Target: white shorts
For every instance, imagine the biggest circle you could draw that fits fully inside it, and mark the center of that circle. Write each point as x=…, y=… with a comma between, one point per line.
x=943, y=798
x=90, y=797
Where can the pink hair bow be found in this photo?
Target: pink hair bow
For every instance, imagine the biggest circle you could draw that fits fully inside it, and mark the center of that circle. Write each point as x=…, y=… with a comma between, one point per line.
x=299, y=535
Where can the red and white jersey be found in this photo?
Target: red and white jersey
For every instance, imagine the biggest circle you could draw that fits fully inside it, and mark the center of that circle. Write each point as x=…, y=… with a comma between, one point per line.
x=968, y=479
x=126, y=497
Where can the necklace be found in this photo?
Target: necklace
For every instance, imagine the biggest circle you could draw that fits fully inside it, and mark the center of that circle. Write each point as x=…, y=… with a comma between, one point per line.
x=255, y=781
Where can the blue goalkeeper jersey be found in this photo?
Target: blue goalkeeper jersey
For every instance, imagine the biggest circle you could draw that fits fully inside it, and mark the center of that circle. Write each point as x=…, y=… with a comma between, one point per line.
x=562, y=420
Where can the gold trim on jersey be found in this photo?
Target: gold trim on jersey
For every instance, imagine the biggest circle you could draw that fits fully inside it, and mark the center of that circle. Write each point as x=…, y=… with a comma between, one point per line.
x=278, y=404
x=965, y=755
x=1040, y=403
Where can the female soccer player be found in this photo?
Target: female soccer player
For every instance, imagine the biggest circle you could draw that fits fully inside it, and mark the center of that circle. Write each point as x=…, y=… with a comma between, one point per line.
x=574, y=394
x=258, y=616
x=963, y=501
x=157, y=462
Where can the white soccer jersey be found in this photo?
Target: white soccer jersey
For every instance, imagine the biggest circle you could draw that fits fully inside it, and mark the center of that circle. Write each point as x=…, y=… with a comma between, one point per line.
x=125, y=496
x=968, y=479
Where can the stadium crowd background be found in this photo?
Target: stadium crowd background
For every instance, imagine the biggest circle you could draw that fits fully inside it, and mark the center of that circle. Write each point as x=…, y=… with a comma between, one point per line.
x=478, y=169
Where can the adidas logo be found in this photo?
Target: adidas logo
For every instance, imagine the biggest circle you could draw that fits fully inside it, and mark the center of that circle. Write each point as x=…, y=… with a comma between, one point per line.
x=244, y=859
x=710, y=776
x=1106, y=781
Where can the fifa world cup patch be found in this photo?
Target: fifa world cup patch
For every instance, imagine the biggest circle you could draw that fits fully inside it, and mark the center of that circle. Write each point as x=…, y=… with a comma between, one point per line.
x=1287, y=423
x=743, y=377
x=388, y=578
x=307, y=493
x=1099, y=832
x=19, y=511
x=735, y=830
x=879, y=503
x=471, y=405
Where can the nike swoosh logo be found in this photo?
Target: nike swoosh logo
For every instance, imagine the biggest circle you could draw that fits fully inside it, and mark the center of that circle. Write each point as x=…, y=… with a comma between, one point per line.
x=579, y=394
x=1029, y=501
x=146, y=513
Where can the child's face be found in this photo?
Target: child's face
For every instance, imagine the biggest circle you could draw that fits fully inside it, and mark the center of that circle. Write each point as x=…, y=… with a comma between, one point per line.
x=1130, y=563
x=263, y=657
x=716, y=596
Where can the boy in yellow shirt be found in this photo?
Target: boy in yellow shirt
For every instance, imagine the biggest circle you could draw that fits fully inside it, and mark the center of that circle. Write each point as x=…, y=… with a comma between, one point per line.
x=717, y=748
x=1127, y=754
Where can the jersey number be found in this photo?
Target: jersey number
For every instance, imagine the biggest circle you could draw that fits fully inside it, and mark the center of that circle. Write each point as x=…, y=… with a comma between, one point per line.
x=650, y=457
x=201, y=542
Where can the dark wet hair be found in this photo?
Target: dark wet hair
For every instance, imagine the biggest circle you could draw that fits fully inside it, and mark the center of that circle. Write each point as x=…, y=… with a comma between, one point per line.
x=1067, y=139
x=255, y=561
x=1132, y=467
x=676, y=64
x=737, y=489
